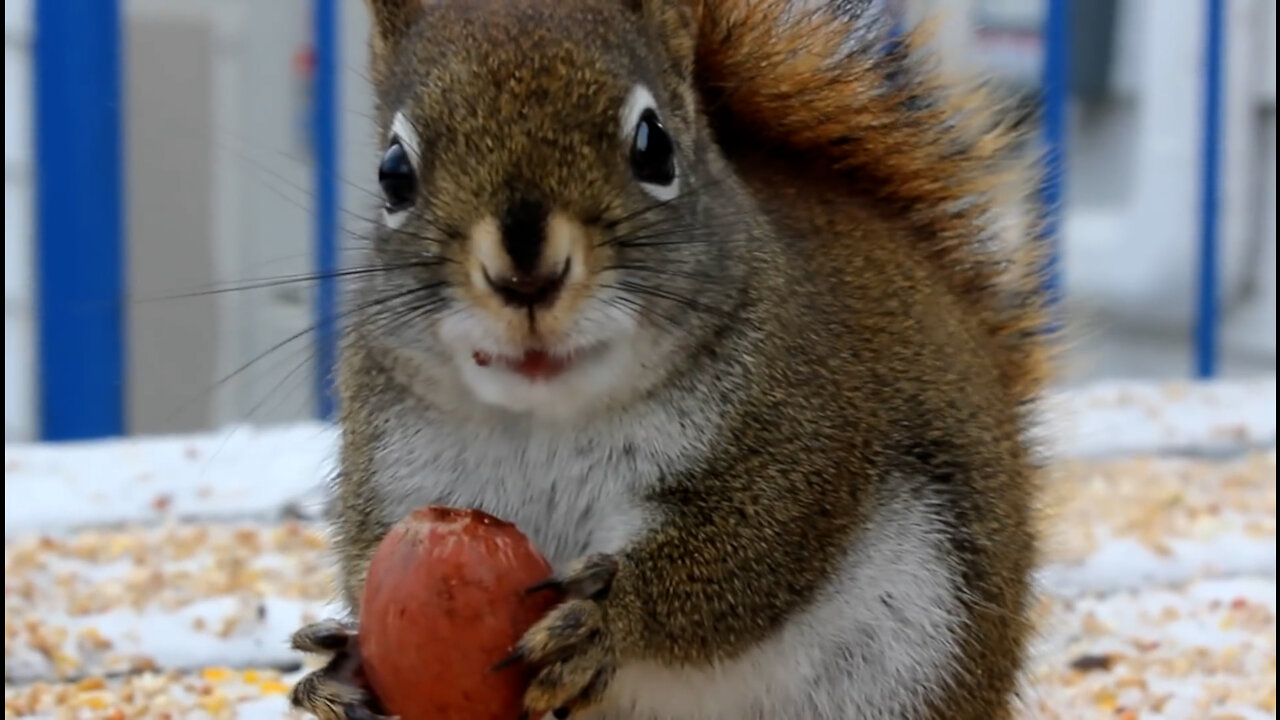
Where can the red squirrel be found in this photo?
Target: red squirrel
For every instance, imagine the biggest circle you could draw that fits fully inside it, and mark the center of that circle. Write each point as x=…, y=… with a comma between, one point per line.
x=715, y=300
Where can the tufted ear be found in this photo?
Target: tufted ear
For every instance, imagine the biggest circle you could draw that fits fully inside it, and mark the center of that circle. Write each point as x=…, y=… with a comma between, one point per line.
x=676, y=22
x=392, y=20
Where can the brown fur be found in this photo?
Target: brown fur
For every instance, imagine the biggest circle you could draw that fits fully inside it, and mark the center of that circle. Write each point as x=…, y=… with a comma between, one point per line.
x=885, y=343
x=936, y=152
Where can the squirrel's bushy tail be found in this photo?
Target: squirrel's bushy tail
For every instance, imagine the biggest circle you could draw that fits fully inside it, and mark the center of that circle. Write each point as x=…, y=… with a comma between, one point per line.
x=819, y=81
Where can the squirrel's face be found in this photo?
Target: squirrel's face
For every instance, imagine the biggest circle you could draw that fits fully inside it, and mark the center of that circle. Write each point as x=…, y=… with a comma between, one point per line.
x=553, y=225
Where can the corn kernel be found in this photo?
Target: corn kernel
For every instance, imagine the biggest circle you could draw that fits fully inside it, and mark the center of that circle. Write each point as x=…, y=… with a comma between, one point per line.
x=215, y=674
x=91, y=683
x=213, y=704
x=93, y=701
x=273, y=687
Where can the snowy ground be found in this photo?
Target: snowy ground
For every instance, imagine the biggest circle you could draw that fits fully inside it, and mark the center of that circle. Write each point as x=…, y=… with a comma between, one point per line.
x=161, y=576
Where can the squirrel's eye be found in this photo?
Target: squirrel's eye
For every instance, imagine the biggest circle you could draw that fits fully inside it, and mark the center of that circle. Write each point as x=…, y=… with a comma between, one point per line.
x=397, y=178
x=653, y=155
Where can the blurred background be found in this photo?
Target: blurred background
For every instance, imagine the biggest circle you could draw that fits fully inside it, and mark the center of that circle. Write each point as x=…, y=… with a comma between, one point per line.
x=223, y=150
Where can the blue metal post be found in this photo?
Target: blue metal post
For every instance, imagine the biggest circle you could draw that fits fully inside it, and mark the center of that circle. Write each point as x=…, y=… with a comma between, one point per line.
x=1055, y=89
x=1206, y=332
x=79, y=218
x=897, y=19
x=326, y=180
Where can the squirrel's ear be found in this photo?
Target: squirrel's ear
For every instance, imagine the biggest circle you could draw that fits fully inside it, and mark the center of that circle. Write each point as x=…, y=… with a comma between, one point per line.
x=391, y=20
x=677, y=25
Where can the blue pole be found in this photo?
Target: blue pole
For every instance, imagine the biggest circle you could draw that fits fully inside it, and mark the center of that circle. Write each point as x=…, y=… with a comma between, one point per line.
x=79, y=218
x=897, y=19
x=1206, y=332
x=1055, y=89
x=326, y=180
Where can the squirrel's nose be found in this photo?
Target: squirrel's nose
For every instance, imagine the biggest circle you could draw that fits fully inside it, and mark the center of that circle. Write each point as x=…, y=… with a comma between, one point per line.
x=529, y=289
x=532, y=279
x=524, y=235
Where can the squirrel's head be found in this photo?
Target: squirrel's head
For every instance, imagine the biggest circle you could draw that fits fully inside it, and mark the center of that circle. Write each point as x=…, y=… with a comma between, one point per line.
x=556, y=223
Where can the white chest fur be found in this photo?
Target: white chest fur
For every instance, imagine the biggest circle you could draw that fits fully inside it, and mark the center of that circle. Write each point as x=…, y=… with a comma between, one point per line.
x=572, y=488
x=877, y=642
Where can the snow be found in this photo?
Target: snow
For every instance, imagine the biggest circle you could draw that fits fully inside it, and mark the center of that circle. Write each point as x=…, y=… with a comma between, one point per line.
x=171, y=639
x=1115, y=418
x=1127, y=621
x=271, y=708
x=1121, y=564
x=232, y=474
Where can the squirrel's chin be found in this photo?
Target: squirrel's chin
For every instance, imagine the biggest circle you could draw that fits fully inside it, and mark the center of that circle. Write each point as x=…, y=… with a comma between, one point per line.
x=546, y=385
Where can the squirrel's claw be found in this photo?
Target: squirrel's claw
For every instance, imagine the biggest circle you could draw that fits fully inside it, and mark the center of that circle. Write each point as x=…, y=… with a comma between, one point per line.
x=330, y=694
x=326, y=636
x=573, y=652
x=589, y=577
x=571, y=647
x=333, y=692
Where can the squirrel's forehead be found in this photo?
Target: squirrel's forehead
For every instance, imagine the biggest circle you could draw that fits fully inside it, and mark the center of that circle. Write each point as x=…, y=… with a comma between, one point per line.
x=522, y=65
x=514, y=85
x=515, y=40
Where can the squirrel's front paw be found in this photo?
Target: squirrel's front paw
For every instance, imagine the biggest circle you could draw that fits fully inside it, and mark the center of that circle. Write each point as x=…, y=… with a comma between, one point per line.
x=571, y=648
x=336, y=691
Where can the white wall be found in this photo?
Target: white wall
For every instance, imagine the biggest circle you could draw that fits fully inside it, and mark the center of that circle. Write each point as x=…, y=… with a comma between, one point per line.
x=19, y=385
x=260, y=179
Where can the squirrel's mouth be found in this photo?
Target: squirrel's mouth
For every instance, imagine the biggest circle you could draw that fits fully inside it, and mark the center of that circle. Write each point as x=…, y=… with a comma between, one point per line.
x=536, y=365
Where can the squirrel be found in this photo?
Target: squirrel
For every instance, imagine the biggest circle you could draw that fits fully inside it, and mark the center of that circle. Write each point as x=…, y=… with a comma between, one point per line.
x=716, y=301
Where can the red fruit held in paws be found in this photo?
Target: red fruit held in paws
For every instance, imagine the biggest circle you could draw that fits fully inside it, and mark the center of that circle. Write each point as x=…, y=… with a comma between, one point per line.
x=445, y=601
